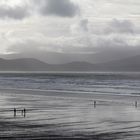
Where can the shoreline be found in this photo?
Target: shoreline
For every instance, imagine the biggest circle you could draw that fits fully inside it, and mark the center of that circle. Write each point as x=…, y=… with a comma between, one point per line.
x=73, y=94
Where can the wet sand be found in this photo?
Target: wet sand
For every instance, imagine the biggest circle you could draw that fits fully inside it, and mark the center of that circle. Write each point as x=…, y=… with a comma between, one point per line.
x=65, y=115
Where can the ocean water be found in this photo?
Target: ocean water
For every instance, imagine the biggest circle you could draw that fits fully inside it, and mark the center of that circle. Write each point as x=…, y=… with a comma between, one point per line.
x=99, y=83
x=61, y=117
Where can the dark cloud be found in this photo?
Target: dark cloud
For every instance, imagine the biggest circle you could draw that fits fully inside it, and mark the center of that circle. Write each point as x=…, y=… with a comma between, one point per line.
x=13, y=12
x=120, y=26
x=62, y=8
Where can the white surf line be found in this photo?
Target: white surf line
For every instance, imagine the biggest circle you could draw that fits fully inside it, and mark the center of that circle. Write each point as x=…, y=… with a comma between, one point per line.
x=67, y=91
x=62, y=93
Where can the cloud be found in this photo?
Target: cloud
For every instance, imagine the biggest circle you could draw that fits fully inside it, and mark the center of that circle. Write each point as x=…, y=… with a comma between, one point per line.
x=80, y=27
x=17, y=12
x=120, y=26
x=84, y=25
x=67, y=49
x=62, y=8
x=85, y=38
x=77, y=47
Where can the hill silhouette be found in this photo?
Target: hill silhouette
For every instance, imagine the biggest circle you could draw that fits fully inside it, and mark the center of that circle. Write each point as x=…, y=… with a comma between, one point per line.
x=31, y=64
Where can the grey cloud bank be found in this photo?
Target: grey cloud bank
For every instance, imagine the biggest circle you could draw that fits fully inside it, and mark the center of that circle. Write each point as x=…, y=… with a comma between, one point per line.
x=60, y=8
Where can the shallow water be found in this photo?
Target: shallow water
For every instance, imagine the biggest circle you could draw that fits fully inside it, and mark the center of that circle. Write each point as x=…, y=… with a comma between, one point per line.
x=58, y=106
x=58, y=117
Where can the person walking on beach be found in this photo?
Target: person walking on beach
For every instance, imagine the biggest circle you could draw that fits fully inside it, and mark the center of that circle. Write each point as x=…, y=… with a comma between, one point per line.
x=94, y=104
x=14, y=112
x=136, y=104
x=24, y=112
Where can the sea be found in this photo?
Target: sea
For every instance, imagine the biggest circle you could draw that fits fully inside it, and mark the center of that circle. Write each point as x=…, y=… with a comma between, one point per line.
x=51, y=116
x=84, y=82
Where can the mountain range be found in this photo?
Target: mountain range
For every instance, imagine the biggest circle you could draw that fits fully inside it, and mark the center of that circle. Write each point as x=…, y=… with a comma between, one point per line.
x=31, y=64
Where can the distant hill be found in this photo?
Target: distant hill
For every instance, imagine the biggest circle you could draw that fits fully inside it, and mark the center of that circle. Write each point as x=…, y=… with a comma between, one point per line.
x=127, y=64
x=76, y=66
x=30, y=64
x=24, y=64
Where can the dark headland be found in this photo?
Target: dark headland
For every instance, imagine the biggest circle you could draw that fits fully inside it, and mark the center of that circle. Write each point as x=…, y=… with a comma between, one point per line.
x=130, y=64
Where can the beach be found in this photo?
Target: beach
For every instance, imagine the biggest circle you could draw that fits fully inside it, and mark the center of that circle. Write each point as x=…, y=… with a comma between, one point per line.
x=69, y=69
x=63, y=115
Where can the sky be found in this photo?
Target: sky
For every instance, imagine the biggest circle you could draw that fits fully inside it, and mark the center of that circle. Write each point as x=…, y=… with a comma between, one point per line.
x=61, y=31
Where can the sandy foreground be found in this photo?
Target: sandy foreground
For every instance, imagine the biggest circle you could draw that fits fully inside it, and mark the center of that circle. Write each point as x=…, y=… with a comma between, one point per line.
x=66, y=115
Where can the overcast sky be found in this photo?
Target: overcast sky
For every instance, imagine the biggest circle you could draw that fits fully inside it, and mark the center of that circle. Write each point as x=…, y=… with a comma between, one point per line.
x=60, y=31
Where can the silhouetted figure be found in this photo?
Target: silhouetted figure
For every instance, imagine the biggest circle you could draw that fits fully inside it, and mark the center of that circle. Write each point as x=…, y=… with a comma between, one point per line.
x=14, y=112
x=94, y=104
x=136, y=104
x=24, y=112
